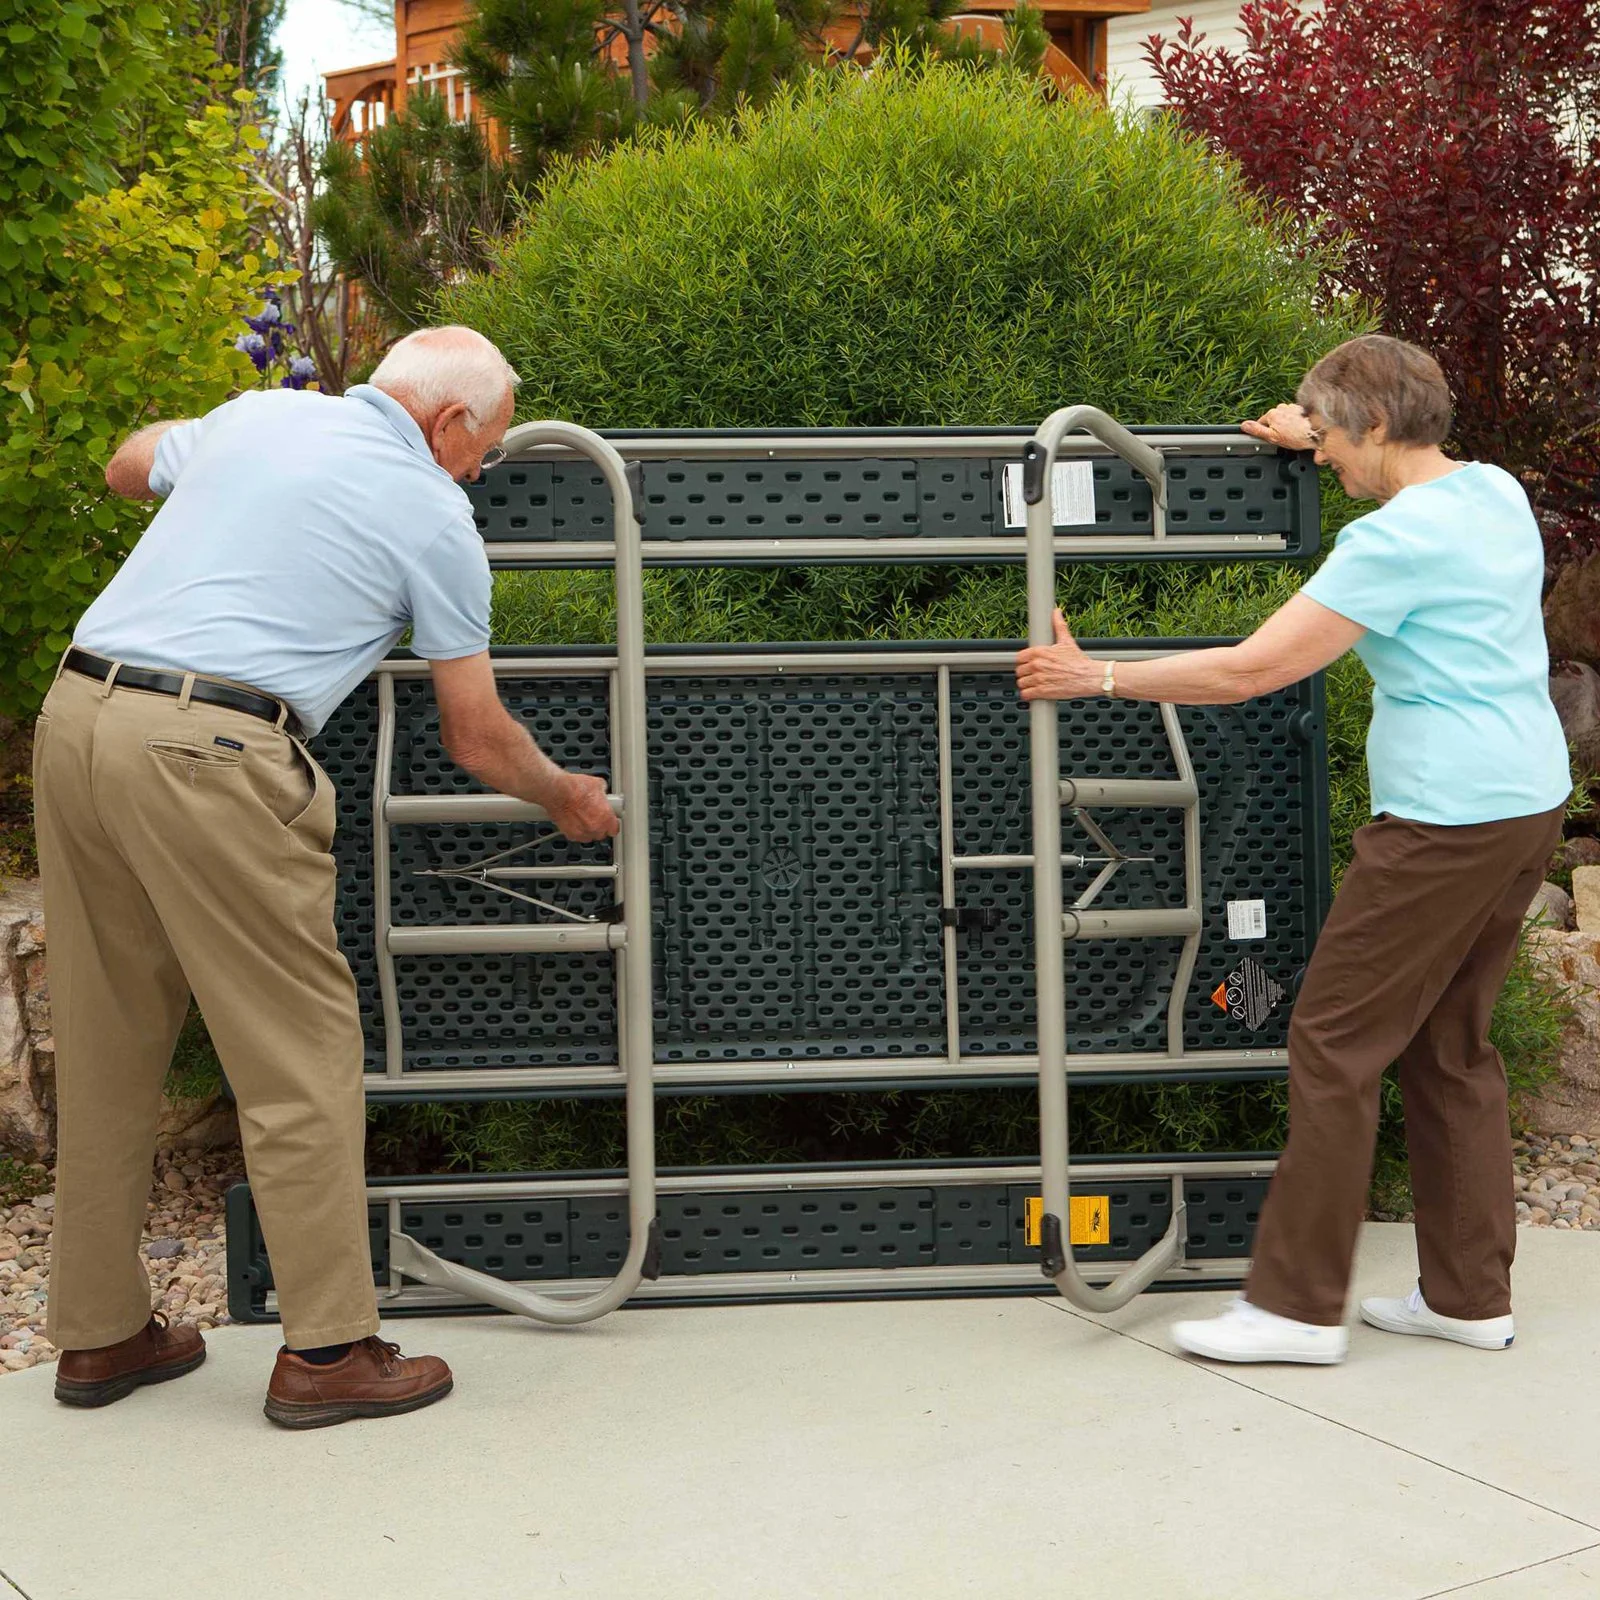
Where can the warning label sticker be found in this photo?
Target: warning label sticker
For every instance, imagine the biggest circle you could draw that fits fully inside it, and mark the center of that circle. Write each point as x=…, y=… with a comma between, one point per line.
x=1088, y=1223
x=1248, y=994
x=1071, y=495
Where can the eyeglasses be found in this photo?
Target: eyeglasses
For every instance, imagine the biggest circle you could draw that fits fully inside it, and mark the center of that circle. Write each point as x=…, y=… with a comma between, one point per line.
x=1317, y=436
x=491, y=458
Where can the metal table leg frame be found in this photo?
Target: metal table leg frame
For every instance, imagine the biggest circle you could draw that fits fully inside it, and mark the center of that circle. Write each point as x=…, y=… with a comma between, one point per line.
x=1078, y=793
x=630, y=939
x=1050, y=923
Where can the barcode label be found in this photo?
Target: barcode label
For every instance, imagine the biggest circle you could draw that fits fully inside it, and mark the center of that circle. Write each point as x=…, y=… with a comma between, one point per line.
x=1247, y=919
x=1071, y=495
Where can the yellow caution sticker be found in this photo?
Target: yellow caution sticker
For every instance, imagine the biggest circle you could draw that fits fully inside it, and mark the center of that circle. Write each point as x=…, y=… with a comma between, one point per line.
x=1091, y=1219
x=1089, y=1222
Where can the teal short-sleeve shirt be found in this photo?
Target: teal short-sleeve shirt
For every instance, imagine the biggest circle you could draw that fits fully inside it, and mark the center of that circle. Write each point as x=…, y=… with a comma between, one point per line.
x=1446, y=579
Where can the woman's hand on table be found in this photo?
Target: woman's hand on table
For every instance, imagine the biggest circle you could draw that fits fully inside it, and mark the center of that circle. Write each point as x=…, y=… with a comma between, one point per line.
x=1286, y=426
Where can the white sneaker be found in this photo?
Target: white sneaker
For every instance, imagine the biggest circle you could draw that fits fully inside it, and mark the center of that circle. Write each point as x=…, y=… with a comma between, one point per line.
x=1247, y=1333
x=1412, y=1315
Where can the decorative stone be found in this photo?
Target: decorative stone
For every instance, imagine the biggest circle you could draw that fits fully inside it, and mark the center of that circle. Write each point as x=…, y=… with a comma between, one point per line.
x=1572, y=614
x=1586, y=898
x=1579, y=852
x=28, y=1049
x=27, y=1046
x=205, y=1124
x=1571, y=1101
x=1552, y=906
x=1575, y=693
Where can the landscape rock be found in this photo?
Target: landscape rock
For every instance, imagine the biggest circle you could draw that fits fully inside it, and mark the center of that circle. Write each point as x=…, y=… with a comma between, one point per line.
x=1586, y=898
x=1575, y=693
x=1552, y=907
x=28, y=1050
x=1572, y=613
x=1570, y=1103
x=1581, y=851
x=27, y=1047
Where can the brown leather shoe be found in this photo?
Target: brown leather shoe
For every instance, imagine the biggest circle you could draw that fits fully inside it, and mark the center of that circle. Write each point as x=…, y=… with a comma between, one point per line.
x=152, y=1355
x=372, y=1380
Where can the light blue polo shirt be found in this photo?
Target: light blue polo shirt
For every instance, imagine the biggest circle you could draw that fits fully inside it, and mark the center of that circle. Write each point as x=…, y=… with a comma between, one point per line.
x=1446, y=580
x=301, y=536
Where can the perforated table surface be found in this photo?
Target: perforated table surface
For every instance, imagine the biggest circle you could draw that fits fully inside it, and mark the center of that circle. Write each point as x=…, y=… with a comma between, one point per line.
x=829, y=495
x=799, y=901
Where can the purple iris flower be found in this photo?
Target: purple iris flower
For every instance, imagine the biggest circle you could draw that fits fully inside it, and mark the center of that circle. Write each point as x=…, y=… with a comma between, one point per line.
x=302, y=369
x=256, y=348
x=269, y=321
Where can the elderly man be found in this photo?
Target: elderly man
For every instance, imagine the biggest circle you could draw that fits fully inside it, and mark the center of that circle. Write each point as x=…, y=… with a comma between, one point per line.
x=185, y=838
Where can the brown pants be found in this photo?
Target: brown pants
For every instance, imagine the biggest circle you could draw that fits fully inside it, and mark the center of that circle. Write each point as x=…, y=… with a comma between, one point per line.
x=186, y=847
x=1408, y=968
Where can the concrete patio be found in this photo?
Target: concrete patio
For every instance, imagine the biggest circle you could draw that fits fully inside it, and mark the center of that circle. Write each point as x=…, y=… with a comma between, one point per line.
x=911, y=1449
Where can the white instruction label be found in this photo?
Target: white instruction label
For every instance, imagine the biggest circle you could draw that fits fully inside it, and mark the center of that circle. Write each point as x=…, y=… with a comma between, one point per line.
x=1247, y=919
x=1071, y=495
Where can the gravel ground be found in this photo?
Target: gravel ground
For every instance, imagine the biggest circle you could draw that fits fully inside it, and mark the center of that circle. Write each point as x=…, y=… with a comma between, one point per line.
x=185, y=1250
x=1558, y=1182
x=185, y=1253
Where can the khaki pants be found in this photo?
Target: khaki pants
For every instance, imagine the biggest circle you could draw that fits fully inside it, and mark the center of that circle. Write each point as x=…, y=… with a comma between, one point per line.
x=1408, y=969
x=185, y=847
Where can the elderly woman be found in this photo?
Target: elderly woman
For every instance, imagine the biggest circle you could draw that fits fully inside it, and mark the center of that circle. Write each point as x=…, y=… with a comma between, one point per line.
x=1437, y=590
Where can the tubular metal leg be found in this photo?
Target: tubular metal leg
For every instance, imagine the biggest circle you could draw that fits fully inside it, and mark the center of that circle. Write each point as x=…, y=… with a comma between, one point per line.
x=1192, y=895
x=1048, y=921
x=633, y=956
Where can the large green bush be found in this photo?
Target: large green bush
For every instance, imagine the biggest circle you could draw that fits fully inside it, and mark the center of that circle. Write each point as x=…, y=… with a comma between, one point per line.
x=916, y=246
x=922, y=246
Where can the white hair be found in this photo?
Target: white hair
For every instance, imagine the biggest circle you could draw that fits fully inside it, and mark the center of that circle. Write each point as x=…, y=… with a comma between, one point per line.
x=438, y=367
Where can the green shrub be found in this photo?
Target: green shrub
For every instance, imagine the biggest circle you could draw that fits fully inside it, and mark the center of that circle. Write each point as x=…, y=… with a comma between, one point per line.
x=919, y=246
x=700, y=1130
x=195, y=1071
x=128, y=201
x=20, y=1181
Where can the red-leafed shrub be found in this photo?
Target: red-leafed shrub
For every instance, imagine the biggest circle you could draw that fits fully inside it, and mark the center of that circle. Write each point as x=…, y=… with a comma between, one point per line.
x=1450, y=145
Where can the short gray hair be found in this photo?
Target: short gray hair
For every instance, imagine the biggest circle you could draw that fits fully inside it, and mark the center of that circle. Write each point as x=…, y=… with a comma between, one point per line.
x=439, y=367
x=1378, y=379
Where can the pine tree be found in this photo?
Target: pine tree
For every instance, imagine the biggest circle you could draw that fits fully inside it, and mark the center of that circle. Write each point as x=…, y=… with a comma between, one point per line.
x=568, y=79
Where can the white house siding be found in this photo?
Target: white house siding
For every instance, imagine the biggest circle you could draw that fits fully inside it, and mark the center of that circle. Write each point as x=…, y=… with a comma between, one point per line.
x=1128, y=72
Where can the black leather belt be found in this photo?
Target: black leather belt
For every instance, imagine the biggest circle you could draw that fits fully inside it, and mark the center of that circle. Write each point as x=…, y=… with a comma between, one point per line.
x=155, y=681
